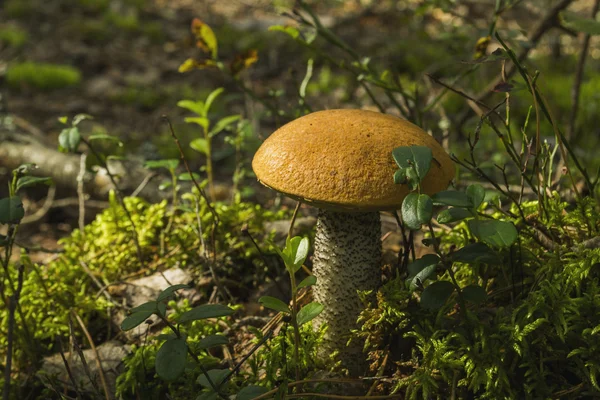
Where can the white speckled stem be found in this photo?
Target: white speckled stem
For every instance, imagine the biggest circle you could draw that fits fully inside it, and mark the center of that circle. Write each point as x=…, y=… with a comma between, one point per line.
x=347, y=259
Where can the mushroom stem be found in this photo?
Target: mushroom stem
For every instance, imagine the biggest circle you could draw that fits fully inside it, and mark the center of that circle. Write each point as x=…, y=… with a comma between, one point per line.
x=347, y=259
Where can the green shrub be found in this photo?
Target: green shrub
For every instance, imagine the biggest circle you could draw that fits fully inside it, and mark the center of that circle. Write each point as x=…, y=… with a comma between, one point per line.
x=42, y=76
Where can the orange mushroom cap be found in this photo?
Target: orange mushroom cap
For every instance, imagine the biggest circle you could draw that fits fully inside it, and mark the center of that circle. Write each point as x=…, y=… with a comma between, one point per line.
x=341, y=160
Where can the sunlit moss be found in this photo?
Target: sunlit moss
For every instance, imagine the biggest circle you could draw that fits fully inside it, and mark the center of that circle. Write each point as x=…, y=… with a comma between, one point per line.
x=42, y=76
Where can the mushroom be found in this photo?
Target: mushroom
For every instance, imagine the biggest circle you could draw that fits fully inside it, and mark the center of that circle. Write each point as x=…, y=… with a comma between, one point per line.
x=341, y=162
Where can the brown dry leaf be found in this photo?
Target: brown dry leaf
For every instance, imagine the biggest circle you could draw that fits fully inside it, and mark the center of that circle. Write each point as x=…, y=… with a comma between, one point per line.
x=205, y=37
x=243, y=61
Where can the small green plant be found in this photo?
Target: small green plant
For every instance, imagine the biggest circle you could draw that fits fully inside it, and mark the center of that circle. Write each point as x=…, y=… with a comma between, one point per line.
x=204, y=144
x=293, y=255
x=494, y=237
x=171, y=358
x=11, y=279
x=42, y=76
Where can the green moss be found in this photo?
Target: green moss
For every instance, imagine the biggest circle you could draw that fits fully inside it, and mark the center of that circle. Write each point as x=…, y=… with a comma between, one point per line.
x=125, y=21
x=107, y=250
x=143, y=97
x=42, y=76
x=535, y=336
x=12, y=36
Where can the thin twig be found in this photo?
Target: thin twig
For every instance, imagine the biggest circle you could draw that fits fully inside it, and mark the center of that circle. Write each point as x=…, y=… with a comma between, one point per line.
x=68, y=368
x=546, y=23
x=39, y=214
x=102, y=160
x=291, y=229
x=12, y=306
x=143, y=184
x=81, y=194
x=96, y=354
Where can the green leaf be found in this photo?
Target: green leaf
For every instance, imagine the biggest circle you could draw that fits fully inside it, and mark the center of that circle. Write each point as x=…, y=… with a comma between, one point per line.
x=308, y=312
x=26, y=168
x=274, y=304
x=200, y=145
x=476, y=194
x=284, y=256
x=454, y=214
x=80, y=117
x=168, y=292
x=422, y=269
x=69, y=139
x=212, y=341
x=435, y=295
x=452, y=198
x=417, y=158
x=26, y=181
x=148, y=306
x=104, y=136
x=170, y=164
x=212, y=97
x=171, y=359
x=196, y=107
x=573, y=21
x=165, y=185
x=216, y=376
x=474, y=293
x=498, y=234
x=205, y=311
x=187, y=177
x=417, y=209
x=161, y=309
x=135, y=319
x=208, y=396
x=223, y=123
x=202, y=121
x=290, y=30
x=251, y=392
x=296, y=251
x=11, y=210
x=476, y=253
x=308, y=281
x=400, y=177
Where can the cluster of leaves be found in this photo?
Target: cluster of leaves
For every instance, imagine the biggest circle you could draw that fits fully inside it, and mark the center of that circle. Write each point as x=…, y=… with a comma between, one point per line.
x=499, y=315
x=180, y=344
x=270, y=365
x=493, y=236
x=207, y=42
